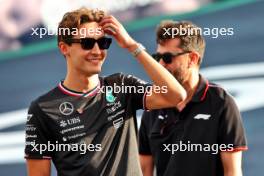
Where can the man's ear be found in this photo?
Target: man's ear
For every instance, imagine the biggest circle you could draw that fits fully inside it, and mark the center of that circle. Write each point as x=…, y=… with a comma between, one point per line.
x=64, y=48
x=194, y=58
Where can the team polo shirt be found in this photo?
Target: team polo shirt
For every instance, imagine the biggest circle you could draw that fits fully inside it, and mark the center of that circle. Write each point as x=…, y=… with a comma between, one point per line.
x=102, y=121
x=210, y=122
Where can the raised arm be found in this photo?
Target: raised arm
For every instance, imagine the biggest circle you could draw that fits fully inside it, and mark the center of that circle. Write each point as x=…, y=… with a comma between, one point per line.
x=158, y=74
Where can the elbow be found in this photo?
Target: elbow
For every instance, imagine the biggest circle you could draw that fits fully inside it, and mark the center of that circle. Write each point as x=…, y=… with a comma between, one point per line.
x=183, y=95
x=177, y=99
x=175, y=96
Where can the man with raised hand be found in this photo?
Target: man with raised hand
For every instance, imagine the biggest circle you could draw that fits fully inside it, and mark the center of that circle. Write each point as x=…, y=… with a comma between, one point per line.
x=81, y=113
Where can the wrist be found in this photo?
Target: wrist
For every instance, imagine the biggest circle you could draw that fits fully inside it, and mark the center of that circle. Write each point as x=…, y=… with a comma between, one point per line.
x=132, y=46
x=137, y=49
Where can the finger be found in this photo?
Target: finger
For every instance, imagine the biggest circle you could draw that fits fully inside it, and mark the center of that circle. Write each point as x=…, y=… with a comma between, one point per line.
x=110, y=29
x=111, y=19
x=105, y=21
x=114, y=19
x=110, y=32
x=115, y=27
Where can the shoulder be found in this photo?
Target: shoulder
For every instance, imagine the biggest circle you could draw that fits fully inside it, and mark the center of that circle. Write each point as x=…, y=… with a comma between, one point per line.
x=121, y=78
x=219, y=92
x=46, y=97
x=221, y=96
x=113, y=78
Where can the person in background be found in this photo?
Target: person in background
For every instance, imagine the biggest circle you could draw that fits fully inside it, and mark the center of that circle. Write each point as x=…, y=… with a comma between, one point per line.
x=204, y=136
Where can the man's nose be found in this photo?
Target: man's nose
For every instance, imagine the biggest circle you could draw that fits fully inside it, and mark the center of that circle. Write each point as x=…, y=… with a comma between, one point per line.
x=95, y=49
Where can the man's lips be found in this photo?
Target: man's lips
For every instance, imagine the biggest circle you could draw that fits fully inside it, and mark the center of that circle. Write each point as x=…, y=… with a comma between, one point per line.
x=94, y=60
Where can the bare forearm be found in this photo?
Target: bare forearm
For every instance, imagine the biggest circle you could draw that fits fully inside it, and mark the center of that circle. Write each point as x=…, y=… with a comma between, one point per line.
x=232, y=163
x=237, y=172
x=147, y=172
x=38, y=167
x=161, y=77
x=147, y=165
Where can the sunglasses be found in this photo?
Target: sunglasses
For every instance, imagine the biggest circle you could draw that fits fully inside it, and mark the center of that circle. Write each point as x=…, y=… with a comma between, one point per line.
x=167, y=56
x=88, y=43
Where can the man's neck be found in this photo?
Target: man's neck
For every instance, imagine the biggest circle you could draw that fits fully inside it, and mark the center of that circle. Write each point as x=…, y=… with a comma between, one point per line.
x=81, y=83
x=190, y=86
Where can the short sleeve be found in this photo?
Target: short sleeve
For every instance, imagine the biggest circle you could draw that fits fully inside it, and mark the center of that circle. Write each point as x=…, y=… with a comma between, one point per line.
x=137, y=90
x=36, y=136
x=144, y=147
x=231, y=130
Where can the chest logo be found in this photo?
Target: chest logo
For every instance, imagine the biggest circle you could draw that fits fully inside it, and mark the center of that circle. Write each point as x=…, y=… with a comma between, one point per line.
x=66, y=108
x=118, y=123
x=161, y=117
x=63, y=123
x=202, y=116
x=29, y=116
x=109, y=96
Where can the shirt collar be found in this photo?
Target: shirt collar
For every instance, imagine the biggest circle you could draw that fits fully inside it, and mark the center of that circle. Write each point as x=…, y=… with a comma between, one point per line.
x=79, y=94
x=201, y=90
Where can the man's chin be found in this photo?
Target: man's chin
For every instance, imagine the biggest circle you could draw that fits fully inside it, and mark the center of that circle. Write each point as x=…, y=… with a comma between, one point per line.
x=91, y=72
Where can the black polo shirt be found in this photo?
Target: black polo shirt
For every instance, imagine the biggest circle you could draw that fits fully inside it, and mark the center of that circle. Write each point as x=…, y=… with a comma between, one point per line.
x=101, y=120
x=210, y=122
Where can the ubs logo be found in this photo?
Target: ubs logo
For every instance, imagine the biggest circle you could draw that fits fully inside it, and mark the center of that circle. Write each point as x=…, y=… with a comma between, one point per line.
x=72, y=121
x=63, y=123
x=66, y=108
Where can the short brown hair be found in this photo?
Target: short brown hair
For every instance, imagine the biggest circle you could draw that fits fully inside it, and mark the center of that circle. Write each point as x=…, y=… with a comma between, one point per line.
x=72, y=20
x=188, y=42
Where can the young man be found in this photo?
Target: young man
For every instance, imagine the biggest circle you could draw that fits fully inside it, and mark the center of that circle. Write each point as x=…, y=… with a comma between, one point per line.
x=202, y=137
x=82, y=113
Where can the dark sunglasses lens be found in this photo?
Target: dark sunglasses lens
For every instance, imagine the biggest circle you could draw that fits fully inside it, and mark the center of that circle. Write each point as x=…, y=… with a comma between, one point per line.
x=167, y=58
x=87, y=43
x=104, y=42
x=156, y=57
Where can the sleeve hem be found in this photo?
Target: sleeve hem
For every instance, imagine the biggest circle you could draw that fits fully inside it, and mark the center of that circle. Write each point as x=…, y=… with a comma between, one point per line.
x=144, y=153
x=236, y=149
x=37, y=157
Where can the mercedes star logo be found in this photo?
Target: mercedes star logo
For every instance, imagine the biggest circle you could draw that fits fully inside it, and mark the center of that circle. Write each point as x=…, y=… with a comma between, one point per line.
x=66, y=108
